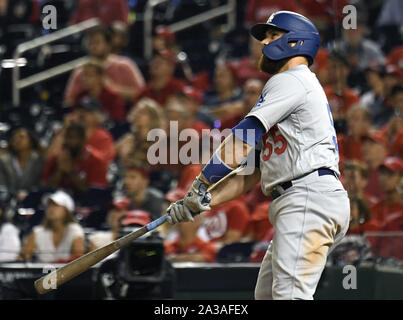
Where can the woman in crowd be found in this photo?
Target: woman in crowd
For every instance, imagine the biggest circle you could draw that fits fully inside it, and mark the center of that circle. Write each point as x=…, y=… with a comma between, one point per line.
x=59, y=238
x=21, y=165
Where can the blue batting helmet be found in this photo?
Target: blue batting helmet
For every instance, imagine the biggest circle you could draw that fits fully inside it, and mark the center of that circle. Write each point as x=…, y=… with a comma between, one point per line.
x=298, y=29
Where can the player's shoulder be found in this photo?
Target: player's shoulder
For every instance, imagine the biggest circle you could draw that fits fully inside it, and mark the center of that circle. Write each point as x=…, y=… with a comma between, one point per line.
x=293, y=78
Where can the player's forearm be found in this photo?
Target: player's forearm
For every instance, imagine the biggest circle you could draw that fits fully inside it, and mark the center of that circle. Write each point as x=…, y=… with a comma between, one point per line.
x=233, y=151
x=233, y=186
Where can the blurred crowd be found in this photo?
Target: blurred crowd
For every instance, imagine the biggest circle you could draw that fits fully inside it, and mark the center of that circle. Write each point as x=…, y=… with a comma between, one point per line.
x=92, y=176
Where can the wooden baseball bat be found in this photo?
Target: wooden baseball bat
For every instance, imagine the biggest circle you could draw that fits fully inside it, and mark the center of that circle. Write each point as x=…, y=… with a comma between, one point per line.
x=78, y=266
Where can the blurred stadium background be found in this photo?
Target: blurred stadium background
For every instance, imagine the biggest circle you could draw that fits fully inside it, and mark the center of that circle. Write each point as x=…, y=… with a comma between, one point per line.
x=77, y=102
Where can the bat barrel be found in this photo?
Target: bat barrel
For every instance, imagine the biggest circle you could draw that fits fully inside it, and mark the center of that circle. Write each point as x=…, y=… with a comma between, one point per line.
x=56, y=278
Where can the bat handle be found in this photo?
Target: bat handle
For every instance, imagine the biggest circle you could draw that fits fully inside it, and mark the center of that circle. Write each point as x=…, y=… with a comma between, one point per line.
x=156, y=223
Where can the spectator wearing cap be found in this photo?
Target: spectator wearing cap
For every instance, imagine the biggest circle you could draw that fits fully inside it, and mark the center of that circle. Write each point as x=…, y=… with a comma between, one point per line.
x=390, y=205
x=108, y=11
x=162, y=82
x=77, y=167
x=118, y=218
x=358, y=127
x=10, y=244
x=59, y=238
x=21, y=164
x=354, y=177
x=374, y=152
x=87, y=114
x=192, y=99
x=395, y=58
x=121, y=74
x=361, y=218
x=164, y=39
x=146, y=115
x=341, y=98
x=392, y=78
x=137, y=190
x=225, y=94
x=119, y=38
x=111, y=104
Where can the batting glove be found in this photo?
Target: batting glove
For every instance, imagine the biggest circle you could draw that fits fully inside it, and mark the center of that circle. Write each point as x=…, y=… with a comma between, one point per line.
x=198, y=198
x=178, y=212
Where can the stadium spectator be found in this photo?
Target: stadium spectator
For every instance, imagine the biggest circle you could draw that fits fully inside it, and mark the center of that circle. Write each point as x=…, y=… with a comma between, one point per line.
x=10, y=244
x=192, y=99
x=119, y=38
x=188, y=246
x=355, y=180
x=391, y=79
x=162, y=82
x=226, y=223
x=248, y=67
x=146, y=115
x=178, y=146
x=374, y=152
x=164, y=39
x=394, y=129
x=139, y=194
x=120, y=73
x=251, y=94
x=107, y=11
x=178, y=112
x=374, y=99
x=358, y=127
x=391, y=204
x=389, y=22
x=77, y=167
x=360, y=50
x=87, y=114
x=59, y=238
x=21, y=164
x=395, y=58
x=111, y=104
x=360, y=217
x=225, y=94
x=339, y=95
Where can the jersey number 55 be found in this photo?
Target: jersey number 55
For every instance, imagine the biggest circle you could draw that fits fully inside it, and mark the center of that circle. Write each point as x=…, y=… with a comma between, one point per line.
x=280, y=143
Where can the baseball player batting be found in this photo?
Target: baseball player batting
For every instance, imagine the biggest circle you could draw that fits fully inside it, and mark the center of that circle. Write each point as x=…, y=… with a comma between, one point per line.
x=296, y=147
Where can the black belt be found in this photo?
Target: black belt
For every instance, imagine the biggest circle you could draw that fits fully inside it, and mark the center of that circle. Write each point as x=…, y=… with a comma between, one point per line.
x=286, y=185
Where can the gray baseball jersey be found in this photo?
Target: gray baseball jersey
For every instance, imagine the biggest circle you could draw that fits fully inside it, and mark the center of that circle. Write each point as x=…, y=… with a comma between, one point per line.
x=300, y=133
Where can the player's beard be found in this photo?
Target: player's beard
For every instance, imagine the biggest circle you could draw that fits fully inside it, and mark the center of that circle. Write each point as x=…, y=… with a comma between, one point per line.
x=271, y=66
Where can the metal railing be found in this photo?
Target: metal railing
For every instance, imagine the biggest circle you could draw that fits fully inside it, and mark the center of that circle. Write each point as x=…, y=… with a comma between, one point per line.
x=19, y=84
x=228, y=9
